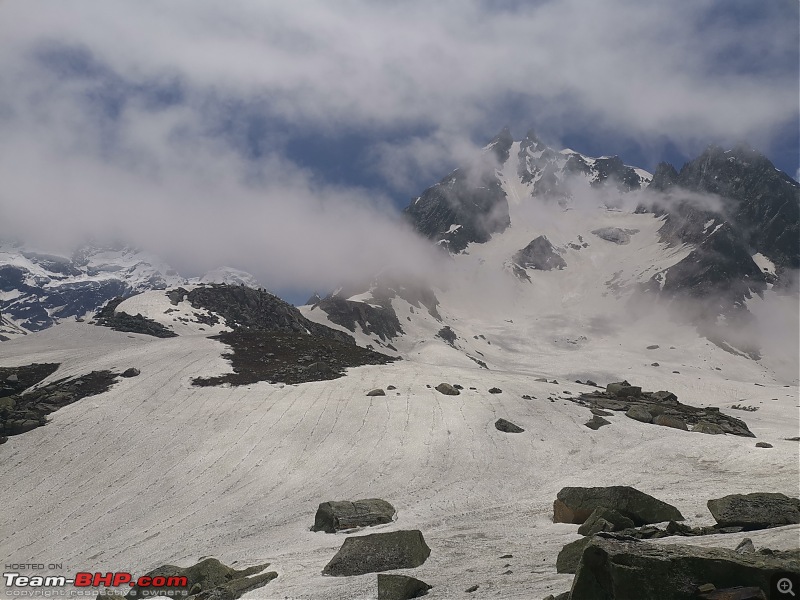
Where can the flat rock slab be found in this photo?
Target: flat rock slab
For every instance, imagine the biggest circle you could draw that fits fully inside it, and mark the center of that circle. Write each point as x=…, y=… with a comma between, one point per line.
x=400, y=587
x=338, y=515
x=755, y=511
x=379, y=552
x=632, y=569
x=576, y=504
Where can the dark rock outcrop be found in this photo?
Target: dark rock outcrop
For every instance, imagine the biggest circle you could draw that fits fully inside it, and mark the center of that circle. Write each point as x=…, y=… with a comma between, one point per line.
x=467, y=206
x=379, y=552
x=338, y=515
x=622, y=569
x=380, y=320
x=108, y=316
x=576, y=504
x=663, y=407
x=26, y=409
x=755, y=511
x=596, y=422
x=400, y=587
x=540, y=255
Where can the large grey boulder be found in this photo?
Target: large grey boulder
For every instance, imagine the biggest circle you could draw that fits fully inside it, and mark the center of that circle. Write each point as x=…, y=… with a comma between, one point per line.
x=338, y=515
x=639, y=413
x=379, y=552
x=755, y=511
x=628, y=570
x=447, y=389
x=400, y=587
x=623, y=389
x=576, y=504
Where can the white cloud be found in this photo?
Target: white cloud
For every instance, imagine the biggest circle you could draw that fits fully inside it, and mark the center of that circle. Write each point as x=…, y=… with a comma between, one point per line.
x=446, y=68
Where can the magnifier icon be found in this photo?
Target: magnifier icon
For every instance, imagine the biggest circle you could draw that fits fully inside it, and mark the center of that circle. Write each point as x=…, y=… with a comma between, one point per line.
x=785, y=586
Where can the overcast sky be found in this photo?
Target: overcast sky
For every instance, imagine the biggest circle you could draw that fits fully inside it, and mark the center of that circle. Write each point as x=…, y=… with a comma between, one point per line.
x=282, y=137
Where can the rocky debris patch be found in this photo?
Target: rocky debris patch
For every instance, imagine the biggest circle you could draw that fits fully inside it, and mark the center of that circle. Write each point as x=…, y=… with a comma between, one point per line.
x=207, y=580
x=495, y=390
x=405, y=549
x=539, y=255
x=663, y=409
x=21, y=412
x=613, y=568
x=376, y=392
x=759, y=510
x=447, y=389
x=576, y=504
x=400, y=587
x=14, y=380
x=596, y=422
x=448, y=335
x=291, y=358
x=507, y=426
x=380, y=320
x=340, y=515
x=122, y=321
x=615, y=234
x=247, y=308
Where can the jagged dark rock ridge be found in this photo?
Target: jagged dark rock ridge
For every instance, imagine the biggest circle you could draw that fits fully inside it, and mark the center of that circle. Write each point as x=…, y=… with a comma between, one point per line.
x=540, y=255
x=467, y=206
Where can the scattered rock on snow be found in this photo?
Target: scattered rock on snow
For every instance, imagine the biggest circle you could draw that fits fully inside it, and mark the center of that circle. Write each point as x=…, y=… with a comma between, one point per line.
x=132, y=372
x=338, y=515
x=358, y=555
x=596, y=422
x=495, y=390
x=376, y=392
x=447, y=389
x=763, y=445
x=507, y=426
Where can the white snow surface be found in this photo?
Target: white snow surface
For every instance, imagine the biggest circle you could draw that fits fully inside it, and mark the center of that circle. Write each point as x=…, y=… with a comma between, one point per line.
x=157, y=471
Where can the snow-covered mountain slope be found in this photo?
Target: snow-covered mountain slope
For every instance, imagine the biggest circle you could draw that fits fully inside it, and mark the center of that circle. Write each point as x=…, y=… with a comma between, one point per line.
x=38, y=289
x=157, y=471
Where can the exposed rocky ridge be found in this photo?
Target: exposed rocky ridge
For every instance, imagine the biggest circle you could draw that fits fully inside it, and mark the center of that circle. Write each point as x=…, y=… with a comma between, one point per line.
x=550, y=171
x=254, y=309
x=760, y=201
x=23, y=409
x=108, y=316
x=466, y=206
x=373, y=319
